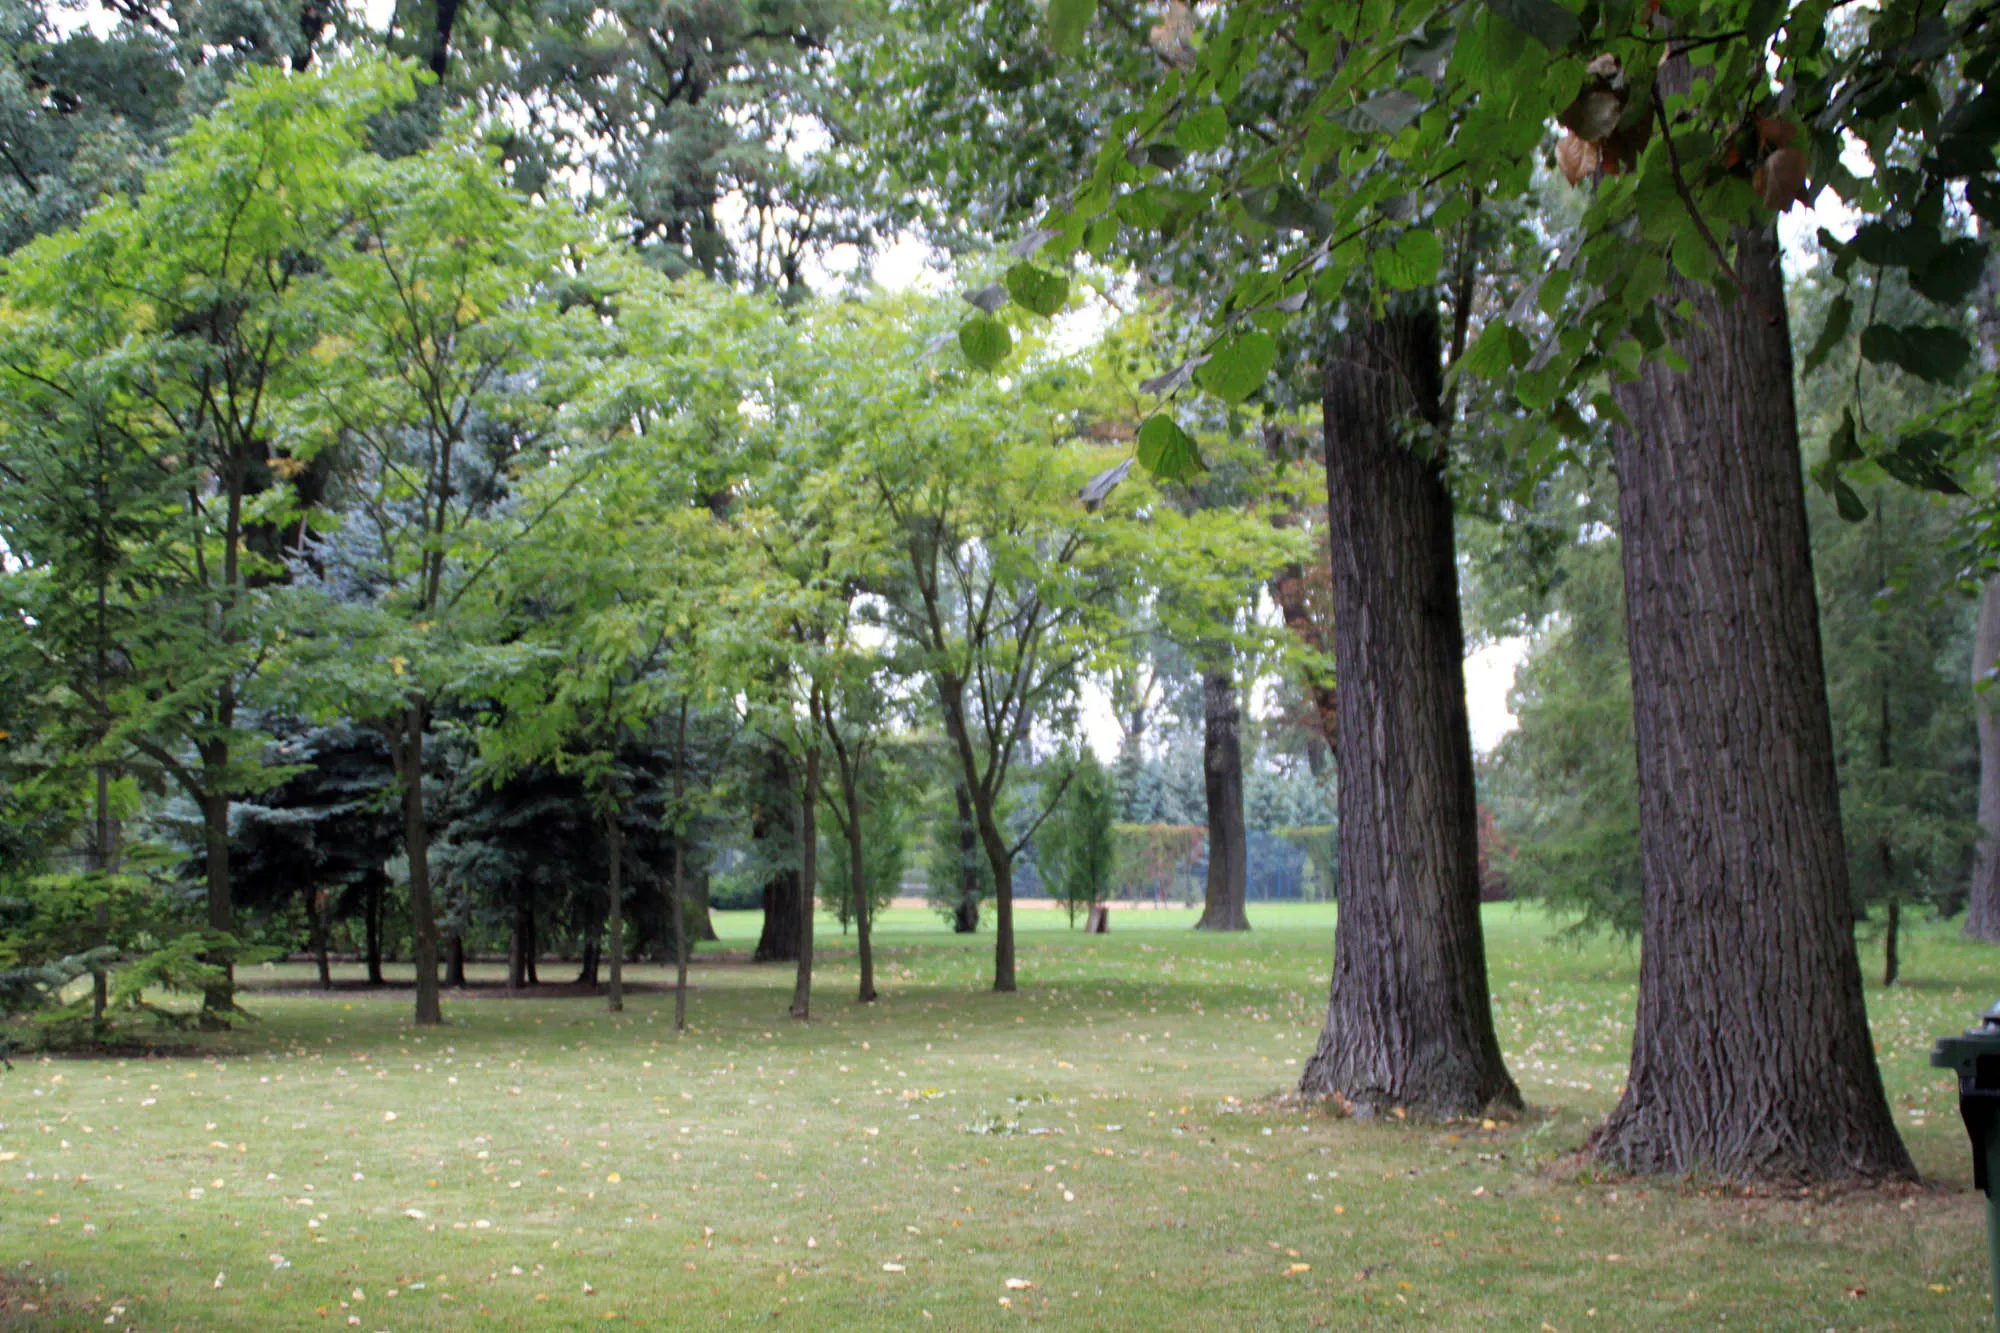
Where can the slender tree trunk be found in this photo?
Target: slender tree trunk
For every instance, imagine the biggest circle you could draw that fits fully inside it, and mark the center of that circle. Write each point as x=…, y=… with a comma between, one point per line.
x=614, y=837
x=863, y=926
x=1752, y=1056
x=1892, y=959
x=316, y=910
x=590, y=970
x=1222, y=777
x=965, y=917
x=371, y=923
x=676, y=905
x=1409, y=1022
x=218, y=1000
x=1002, y=861
x=808, y=817
x=417, y=843
x=534, y=949
x=454, y=951
x=103, y=861
x=700, y=926
x=1982, y=905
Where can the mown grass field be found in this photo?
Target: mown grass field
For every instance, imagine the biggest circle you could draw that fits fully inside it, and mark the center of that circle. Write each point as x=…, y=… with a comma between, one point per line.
x=1098, y=1151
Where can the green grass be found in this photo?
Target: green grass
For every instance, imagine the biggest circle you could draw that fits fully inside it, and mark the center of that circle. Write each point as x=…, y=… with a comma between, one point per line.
x=549, y=1165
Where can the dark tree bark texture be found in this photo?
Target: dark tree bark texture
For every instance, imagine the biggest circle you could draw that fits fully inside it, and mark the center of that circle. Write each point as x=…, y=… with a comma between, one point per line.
x=1410, y=1022
x=1222, y=777
x=1982, y=905
x=1752, y=1057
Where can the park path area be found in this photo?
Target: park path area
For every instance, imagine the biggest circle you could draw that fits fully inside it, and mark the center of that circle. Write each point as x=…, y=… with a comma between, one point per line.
x=1106, y=1149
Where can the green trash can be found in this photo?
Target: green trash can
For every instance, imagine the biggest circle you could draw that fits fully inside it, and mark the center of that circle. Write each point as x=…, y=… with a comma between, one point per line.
x=1975, y=1058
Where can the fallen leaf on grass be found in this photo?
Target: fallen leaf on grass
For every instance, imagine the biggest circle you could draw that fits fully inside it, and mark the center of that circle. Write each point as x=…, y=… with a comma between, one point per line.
x=892, y=1268
x=1295, y=1269
x=1019, y=1284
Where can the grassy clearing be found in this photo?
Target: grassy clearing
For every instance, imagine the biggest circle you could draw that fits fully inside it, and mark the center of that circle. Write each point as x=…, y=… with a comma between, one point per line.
x=1103, y=1136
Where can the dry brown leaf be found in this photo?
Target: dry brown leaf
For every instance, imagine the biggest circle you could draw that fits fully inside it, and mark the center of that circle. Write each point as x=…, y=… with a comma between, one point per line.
x=1782, y=179
x=1576, y=158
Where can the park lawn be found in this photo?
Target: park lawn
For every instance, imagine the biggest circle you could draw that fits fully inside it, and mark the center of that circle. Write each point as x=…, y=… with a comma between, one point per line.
x=1107, y=1137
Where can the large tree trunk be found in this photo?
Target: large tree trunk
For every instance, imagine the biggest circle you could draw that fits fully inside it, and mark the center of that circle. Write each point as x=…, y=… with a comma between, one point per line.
x=1752, y=1056
x=417, y=843
x=700, y=925
x=316, y=914
x=965, y=916
x=1982, y=906
x=520, y=947
x=614, y=836
x=454, y=959
x=1222, y=777
x=778, y=942
x=1409, y=1023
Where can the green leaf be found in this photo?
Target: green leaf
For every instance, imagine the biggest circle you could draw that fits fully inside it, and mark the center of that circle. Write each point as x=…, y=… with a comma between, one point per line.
x=1239, y=366
x=1066, y=22
x=1203, y=131
x=1037, y=289
x=1544, y=20
x=1832, y=333
x=1413, y=261
x=985, y=341
x=1919, y=460
x=1167, y=451
x=1928, y=351
x=1842, y=447
x=1950, y=275
x=1847, y=502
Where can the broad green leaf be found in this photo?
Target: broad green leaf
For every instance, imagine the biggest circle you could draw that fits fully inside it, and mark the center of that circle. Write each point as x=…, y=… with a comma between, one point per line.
x=985, y=341
x=1239, y=367
x=1951, y=274
x=1037, y=289
x=1167, y=451
x=1842, y=447
x=1412, y=262
x=1832, y=333
x=1928, y=351
x=1919, y=460
x=1203, y=131
x=1067, y=20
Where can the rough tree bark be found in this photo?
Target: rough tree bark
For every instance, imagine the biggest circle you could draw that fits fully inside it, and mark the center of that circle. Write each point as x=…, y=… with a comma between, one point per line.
x=965, y=916
x=1982, y=905
x=778, y=941
x=1409, y=1023
x=1752, y=1056
x=1222, y=778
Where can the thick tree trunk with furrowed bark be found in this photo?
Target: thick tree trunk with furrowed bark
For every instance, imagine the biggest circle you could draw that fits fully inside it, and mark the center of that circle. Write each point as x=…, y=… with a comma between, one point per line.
x=1410, y=1021
x=1222, y=779
x=1752, y=1057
